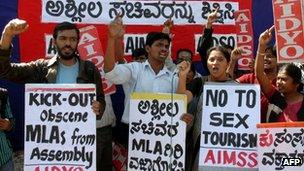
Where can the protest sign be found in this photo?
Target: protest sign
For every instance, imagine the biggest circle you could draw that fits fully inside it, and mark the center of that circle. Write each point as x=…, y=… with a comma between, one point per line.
x=244, y=31
x=288, y=20
x=156, y=134
x=229, y=117
x=60, y=127
x=281, y=146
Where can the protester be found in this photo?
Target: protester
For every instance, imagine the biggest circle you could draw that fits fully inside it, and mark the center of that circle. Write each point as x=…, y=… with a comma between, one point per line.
x=6, y=125
x=149, y=76
x=218, y=59
x=285, y=102
x=206, y=42
x=271, y=70
x=65, y=67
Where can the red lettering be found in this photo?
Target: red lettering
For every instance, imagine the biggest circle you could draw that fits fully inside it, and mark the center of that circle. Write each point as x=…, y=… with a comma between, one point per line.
x=252, y=157
x=242, y=159
x=244, y=36
x=55, y=168
x=219, y=158
x=37, y=168
x=58, y=168
x=229, y=157
x=210, y=156
x=289, y=30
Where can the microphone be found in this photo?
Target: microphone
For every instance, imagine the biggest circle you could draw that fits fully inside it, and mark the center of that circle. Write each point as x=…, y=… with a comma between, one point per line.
x=177, y=69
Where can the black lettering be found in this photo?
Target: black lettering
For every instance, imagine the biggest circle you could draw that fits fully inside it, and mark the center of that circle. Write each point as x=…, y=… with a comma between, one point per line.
x=231, y=41
x=33, y=133
x=242, y=121
x=82, y=139
x=231, y=139
x=215, y=41
x=35, y=153
x=56, y=99
x=51, y=48
x=252, y=94
x=129, y=45
x=228, y=117
x=178, y=151
x=216, y=117
x=218, y=98
x=43, y=115
x=45, y=98
x=38, y=134
x=158, y=148
x=205, y=135
x=73, y=99
x=240, y=99
x=223, y=98
x=33, y=99
x=54, y=135
x=138, y=145
x=147, y=147
x=213, y=97
x=223, y=40
x=214, y=138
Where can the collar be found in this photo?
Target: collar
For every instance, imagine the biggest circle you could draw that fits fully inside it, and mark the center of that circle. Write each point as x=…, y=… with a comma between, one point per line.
x=164, y=70
x=54, y=60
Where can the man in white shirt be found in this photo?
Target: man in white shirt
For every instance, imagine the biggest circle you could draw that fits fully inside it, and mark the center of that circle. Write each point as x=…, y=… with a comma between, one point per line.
x=149, y=76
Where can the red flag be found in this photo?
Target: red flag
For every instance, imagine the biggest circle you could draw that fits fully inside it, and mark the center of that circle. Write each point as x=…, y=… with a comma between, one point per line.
x=243, y=25
x=288, y=20
x=90, y=49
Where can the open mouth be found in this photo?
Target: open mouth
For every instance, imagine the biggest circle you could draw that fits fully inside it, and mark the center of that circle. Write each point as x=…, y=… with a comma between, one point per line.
x=162, y=54
x=215, y=69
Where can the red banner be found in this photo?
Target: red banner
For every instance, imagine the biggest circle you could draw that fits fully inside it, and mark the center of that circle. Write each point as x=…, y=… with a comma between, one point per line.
x=189, y=17
x=243, y=27
x=90, y=49
x=288, y=17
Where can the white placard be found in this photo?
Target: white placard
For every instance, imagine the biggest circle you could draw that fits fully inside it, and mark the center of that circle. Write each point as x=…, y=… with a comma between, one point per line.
x=228, y=133
x=281, y=147
x=151, y=143
x=60, y=127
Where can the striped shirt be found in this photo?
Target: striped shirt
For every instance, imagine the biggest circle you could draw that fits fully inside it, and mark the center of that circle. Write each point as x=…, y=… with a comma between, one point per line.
x=6, y=150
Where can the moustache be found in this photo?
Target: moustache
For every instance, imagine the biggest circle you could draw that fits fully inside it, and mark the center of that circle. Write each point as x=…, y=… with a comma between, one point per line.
x=67, y=47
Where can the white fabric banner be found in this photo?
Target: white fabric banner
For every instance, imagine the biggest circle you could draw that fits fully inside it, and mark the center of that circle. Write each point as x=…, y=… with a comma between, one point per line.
x=136, y=12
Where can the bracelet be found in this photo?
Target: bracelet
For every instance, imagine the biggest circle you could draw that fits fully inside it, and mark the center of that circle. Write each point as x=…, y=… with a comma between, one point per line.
x=262, y=54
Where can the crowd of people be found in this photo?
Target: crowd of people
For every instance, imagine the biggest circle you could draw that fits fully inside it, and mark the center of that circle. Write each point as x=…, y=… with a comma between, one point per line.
x=151, y=70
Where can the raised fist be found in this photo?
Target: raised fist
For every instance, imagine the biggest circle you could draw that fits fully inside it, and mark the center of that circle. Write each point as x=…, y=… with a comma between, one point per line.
x=15, y=27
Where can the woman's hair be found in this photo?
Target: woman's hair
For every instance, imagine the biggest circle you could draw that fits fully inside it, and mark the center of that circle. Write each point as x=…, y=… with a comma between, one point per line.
x=192, y=68
x=294, y=72
x=221, y=49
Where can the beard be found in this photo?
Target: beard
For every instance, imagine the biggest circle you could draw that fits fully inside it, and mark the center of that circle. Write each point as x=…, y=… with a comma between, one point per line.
x=66, y=56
